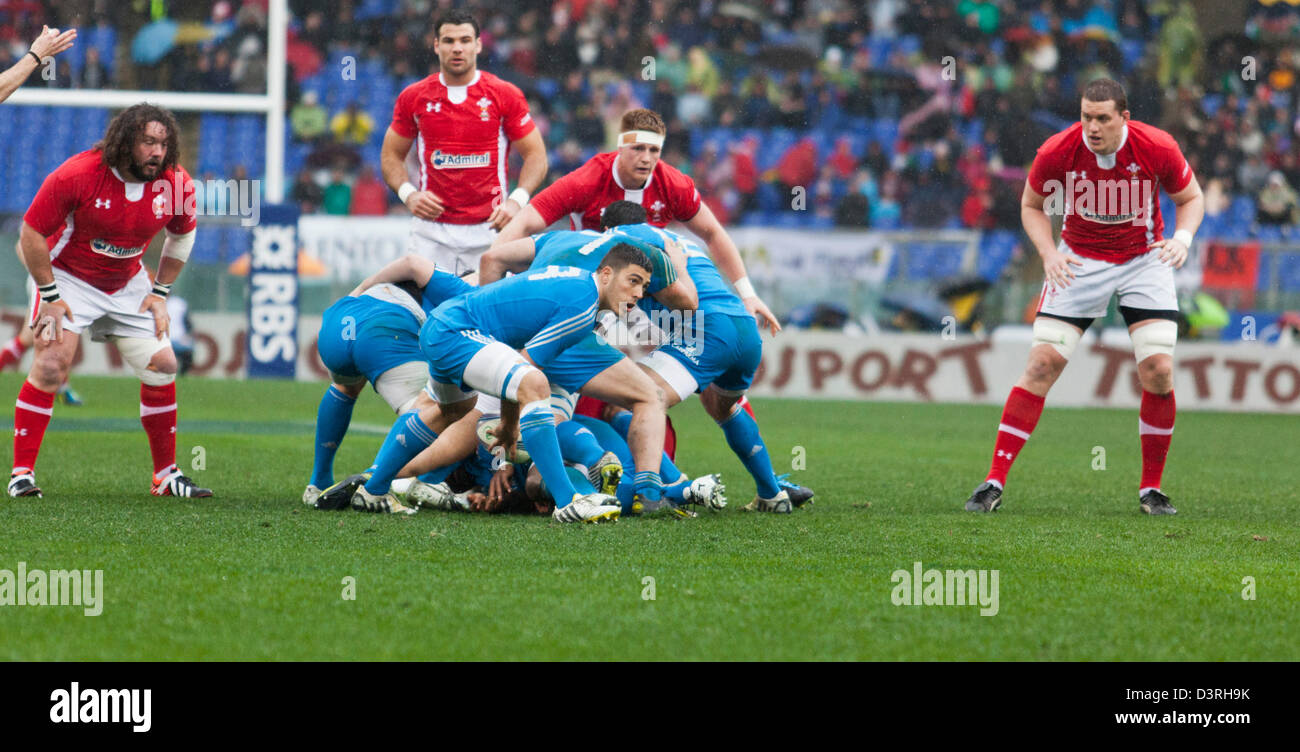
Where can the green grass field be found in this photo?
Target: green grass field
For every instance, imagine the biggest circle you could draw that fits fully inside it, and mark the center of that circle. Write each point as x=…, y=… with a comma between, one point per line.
x=253, y=574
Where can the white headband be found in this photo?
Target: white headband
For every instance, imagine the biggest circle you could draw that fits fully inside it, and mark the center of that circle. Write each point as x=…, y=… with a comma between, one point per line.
x=641, y=137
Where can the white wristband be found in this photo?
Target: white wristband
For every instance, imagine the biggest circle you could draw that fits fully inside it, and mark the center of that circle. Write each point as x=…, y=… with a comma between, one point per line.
x=404, y=191
x=744, y=288
x=1184, y=237
x=519, y=196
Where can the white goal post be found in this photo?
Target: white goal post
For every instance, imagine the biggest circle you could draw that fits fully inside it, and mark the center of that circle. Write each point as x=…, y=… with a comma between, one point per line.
x=271, y=103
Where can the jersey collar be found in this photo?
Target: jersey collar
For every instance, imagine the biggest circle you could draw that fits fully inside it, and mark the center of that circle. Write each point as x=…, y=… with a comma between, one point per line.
x=613, y=168
x=1107, y=161
x=473, y=81
x=134, y=190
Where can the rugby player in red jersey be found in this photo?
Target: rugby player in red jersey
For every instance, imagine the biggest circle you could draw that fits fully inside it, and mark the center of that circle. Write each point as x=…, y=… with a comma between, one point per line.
x=1103, y=173
x=635, y=173
x=82, y=240
x=446, y=151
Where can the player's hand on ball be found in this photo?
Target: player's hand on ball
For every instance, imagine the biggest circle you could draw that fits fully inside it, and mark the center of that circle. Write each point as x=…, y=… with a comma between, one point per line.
x=502, y=213
x=1056, y=268
x=764, y=315
x=425, y=205
x=1172, y=252
x=49, y=321
x=51, y=42
x=158, y=307
x=505, y=437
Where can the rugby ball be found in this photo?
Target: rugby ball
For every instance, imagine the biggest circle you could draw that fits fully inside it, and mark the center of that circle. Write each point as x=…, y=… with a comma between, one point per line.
x=487, y=434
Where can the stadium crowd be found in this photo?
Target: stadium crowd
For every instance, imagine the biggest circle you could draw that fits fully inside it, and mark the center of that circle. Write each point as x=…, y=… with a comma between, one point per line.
x=885, y=113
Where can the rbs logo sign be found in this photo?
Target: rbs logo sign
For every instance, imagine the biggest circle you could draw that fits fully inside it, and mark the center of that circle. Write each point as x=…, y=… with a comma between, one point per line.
x=273, y=295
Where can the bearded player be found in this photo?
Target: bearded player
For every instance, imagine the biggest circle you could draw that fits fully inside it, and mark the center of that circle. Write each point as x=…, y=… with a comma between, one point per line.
x=82, y=240
x=1103, y=173
x=462, y=123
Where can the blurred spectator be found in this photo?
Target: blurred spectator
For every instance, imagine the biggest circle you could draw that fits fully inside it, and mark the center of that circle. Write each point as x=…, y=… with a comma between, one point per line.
x=306, y=193
x=1277, y=202
x=216, y=76
x=798, y=166
x=93, y=73
x=352, y=126
x=308, y=119
x=842, y=159
x=369, y=194
x=338, y=194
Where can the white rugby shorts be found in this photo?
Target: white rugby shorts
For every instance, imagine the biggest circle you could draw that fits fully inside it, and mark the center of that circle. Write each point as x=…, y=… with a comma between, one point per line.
x=454, y=248
x=1142, y=282
x=105, y=315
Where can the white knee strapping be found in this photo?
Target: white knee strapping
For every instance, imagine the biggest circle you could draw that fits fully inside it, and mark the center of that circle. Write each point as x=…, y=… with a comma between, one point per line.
x=563, y=402
x=1061, y=336
x=138, y=351
x=1155, y=338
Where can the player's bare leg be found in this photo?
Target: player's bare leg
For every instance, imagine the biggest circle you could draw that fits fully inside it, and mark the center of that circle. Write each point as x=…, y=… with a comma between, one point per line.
x=1054, y=342
x=629, y=386
x=35, y=406
x=1156, y=414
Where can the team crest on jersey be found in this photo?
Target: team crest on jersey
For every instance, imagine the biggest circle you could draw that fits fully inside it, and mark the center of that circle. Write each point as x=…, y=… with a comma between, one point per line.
x=159, y=206
x=443, y=161
x=483, y=104
x=115, y=251
x=656, y=211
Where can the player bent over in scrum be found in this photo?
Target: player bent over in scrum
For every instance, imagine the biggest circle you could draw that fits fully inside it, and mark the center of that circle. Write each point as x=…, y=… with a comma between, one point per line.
x=373, y=336
x=499, y=339
x=594, y=367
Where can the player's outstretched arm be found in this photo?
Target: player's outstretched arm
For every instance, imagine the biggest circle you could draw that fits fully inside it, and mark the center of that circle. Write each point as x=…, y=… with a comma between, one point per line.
x=50, y=43
x=392, y=162
x=1189, y=210
x=514, y=256
x=1038, y=226
x=409, y=267
x=727, y=257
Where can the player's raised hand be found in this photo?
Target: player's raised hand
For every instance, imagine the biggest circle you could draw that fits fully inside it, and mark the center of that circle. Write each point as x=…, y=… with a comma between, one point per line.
x=766, y=320
x=49, y=320
x=51, y=42
x=425, y=205
x=1056, y=268
x=158, y=307
x=502, y=213
x=1172, y=252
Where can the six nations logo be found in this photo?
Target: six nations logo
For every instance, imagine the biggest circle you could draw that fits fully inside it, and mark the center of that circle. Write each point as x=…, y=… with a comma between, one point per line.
x=443, y=161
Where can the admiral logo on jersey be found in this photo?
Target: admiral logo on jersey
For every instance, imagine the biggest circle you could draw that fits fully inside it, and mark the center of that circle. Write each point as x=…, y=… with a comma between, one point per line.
x=443, y=161
x=116, y=251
